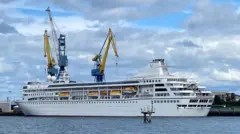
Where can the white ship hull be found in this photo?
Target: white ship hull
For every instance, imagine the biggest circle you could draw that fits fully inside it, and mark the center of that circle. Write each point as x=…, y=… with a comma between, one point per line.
x=77, y=108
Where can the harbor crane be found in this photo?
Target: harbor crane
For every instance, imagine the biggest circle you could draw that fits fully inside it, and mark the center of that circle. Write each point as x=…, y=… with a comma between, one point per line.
x=98, y=71
x=60, y=50
x=54, y=33
x=51, y=69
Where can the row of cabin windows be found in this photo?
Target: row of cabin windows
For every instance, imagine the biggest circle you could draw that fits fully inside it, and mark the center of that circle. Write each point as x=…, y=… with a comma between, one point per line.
x=188, y=94
x=84, y=102
x=194, y=106
x=162, y=94
x=173, y=79
x=176, y=84
x=182, y=94
x=37, y=94
x=193, y=101
x=151, y=81
x=204, y=94
x=201, y=101
x=166, y=101
x=179, y=89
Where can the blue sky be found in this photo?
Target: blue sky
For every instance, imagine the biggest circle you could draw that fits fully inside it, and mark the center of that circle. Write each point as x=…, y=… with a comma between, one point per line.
x=198, y=38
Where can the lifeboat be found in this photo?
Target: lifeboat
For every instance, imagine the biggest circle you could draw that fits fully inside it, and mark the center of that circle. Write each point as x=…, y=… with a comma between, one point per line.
x=115, y=92
x=64, y=94
x=93, y=93
x=129, y=89
x=103, y=92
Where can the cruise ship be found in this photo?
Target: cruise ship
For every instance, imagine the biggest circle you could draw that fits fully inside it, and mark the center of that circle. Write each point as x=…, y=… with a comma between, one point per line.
x=155, y=89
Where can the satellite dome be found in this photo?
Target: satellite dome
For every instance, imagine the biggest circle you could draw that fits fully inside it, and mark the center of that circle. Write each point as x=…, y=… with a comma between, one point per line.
x=48, y=77
x=53, y=78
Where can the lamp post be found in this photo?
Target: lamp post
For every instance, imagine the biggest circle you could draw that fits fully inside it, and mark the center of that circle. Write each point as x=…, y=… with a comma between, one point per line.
x=10, y=95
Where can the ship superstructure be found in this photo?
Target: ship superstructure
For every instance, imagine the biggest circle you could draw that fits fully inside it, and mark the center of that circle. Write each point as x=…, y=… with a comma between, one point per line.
x=169, y=95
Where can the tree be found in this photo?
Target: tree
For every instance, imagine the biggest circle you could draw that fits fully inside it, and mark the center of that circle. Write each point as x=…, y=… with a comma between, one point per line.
x=218, y=100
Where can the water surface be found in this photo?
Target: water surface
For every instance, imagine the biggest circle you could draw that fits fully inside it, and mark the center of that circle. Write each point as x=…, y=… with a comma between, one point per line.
x=106, y=125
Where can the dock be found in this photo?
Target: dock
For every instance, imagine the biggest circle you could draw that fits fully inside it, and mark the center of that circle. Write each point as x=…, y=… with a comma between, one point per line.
x=11, y=114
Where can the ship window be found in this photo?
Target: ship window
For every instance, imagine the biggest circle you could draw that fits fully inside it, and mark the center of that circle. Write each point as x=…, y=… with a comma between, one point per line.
x=203, y=101
x=193, y=101
x=164, y=101
x=160, y=89
x=159, y=85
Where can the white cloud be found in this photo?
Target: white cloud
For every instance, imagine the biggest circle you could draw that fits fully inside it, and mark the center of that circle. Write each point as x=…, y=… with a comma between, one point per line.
x=168, y=49
x=64, y=24
x=230, y=75
x=4, y=66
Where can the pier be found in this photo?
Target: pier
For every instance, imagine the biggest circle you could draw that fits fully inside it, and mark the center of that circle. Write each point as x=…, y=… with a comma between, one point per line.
x=147, y=113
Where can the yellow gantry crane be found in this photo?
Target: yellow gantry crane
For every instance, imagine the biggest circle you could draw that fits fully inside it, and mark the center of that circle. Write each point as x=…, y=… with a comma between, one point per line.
x=52, y=71
x=98, y=71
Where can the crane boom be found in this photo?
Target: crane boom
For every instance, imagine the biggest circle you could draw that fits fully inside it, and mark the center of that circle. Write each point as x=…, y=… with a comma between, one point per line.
x=98, y=72
x=110, y=40
x=54, y=34
x=52, y=71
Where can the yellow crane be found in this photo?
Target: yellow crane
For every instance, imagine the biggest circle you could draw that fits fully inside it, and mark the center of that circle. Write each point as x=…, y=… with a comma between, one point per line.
x=52, y=71
x=98, y=71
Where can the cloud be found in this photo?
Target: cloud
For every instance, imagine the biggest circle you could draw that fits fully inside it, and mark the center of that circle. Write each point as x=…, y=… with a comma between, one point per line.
x=5, y=28
x=120, y=9
x=186, y=43
x=213, y=18
x=7, y=1
x=230, y=75
x=4, y=66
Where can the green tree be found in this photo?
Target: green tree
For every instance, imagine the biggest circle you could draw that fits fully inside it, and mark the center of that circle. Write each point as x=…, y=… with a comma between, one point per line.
x=218, y=100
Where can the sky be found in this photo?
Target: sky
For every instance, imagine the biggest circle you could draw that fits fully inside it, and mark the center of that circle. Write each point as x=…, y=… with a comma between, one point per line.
x=197, y=39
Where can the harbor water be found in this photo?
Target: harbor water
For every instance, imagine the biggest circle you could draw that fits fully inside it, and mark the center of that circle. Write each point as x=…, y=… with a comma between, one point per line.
x=100, y=125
